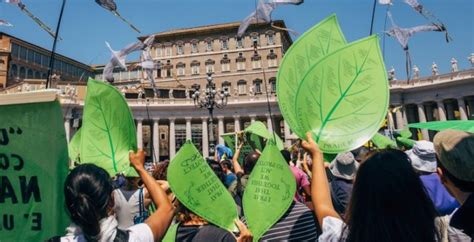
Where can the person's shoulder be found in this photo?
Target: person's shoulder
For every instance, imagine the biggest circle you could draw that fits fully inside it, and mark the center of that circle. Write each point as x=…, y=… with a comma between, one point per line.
x=140, y=232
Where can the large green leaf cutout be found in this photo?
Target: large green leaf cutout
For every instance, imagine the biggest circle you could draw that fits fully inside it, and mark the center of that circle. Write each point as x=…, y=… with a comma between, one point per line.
x=343, y=99
x=74, y=146
x=269, y=191
x=383, y=142
x=322, y=39
x=258, y=128
x=198, y=188
x=108, y=132
x=463, y=125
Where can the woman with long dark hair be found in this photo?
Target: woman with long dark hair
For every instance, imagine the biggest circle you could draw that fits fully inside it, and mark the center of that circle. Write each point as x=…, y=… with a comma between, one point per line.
x=89, y=201
x=388, y=201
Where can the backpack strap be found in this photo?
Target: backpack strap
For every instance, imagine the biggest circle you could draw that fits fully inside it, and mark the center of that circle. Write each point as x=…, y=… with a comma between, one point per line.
x=122, y=236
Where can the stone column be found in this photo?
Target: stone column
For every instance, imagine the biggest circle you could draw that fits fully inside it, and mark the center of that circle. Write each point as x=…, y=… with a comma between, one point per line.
x=422, y=118
x=253, y=118
x=220, y=128
x=156, y=141
x=400, y=120
x=462, y=109
x=269, y=123
x=172, y=139
x=405, y=115
x=205, y=137
x=441, y=110
x=236, y=123
x=429, y=112
x=67, y=128
x=140, y=133
x=470, y=103
x=287, y=135
x=188, y=128
x=450, y=111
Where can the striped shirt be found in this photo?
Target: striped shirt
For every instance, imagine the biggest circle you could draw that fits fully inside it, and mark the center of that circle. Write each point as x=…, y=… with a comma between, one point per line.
x=297, y=224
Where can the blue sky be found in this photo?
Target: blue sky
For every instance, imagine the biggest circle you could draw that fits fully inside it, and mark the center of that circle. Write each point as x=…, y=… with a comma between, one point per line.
x=86, y=26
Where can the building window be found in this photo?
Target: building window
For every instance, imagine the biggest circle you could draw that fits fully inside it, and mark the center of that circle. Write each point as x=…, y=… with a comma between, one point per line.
x=256, y=61
x=272, y=82
x=209, y=45
x=37, y=75
x=210, y=66
x=31, y=56
x=257, y=85
x=225, y=44
x=270, y=39
x=272, y=59
x=14, y=71
x=240, y=43
x=15, y=50
x=240, y=62
x=22, y=52
x=181, y=69
x=159, y=51
x=225, y=63
x=166, y=71
x=29, y=74
x=194, y=48
x=180, y=49
x=226, y=86
x=195, y=68
x=168, y=51
x=255, y=38
x=22, y=73
x=242, y=87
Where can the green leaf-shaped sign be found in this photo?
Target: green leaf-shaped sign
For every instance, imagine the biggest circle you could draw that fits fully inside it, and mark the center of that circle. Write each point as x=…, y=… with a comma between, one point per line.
x=383, y=142
x=463, y=125
x=311, y=47
x=108, y=131
x=198, y=188
x=74, y=146
x=343, y=99
x=258, y=128
x=269, y=191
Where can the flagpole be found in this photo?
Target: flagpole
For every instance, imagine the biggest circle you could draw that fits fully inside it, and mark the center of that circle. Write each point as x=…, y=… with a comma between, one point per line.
x=373, y=17
x=51, y=59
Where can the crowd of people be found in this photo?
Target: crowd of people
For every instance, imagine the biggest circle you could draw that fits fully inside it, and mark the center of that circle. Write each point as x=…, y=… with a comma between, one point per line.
x=421, y=194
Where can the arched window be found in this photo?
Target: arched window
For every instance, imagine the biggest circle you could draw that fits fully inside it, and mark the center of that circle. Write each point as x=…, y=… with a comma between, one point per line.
x=195, y=67
x=22, y=73
x=14, y=71
x=242, y=87
x=210, y=66
x=181, y=68
x=37, y=75
x=257, y=85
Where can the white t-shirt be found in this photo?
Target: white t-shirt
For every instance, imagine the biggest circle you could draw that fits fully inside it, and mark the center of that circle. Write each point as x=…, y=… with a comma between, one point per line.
x=137, y=233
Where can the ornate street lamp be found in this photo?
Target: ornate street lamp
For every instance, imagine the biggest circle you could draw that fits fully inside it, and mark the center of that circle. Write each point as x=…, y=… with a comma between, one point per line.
x=210, y=100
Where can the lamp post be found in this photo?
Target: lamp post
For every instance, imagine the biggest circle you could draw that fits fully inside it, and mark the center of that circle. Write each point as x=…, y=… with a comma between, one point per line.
x=210, y=100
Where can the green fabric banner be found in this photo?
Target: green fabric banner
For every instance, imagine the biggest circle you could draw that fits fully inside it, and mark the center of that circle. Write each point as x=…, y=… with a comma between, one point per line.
x=463, y=125
x=383, y=142
x=269, y=191
x=344, y=97
x=108, y=131
x=322, y=39
x=197, y=187
x=33, y=167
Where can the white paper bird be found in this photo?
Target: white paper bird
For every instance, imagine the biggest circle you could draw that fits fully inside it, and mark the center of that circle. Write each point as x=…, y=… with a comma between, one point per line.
x=118, y=59
x=263, y=13
x=112, y=7
x=33, y=17
x=403, y=34
x=5, y=23
x=147, y=63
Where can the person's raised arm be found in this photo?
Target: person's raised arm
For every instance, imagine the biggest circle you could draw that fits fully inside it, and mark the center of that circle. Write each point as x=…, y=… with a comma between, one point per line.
x=160, y=220
x=320, y=193
x=235, y=160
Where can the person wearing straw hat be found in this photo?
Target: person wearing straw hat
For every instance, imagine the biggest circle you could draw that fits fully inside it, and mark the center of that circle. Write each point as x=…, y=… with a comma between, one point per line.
x=455, y=154
x=343, y=169
x=423, y=161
